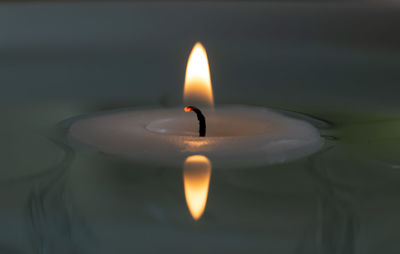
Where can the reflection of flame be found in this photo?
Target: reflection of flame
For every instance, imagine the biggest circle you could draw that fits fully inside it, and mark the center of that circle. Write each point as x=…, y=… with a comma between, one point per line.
x=196, y=180
x=198, y=90
x=194, y=145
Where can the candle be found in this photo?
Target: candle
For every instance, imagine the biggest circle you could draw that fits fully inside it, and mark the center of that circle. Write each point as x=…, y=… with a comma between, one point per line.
x=235, y=135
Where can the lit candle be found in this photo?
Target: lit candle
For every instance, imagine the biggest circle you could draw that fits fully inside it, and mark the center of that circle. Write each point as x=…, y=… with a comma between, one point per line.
x=235, y=136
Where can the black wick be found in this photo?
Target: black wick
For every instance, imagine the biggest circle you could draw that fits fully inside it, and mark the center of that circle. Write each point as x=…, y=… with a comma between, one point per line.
x=200, y=117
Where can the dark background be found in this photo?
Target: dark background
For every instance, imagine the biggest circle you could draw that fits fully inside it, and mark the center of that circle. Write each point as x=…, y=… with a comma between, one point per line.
x=329, y=54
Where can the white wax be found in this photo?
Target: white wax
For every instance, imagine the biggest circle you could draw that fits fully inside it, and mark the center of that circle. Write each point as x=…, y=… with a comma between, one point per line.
x=237, y=136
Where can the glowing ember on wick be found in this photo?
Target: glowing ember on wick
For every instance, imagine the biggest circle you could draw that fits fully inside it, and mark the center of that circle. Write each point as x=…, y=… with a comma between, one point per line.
x=200, y=117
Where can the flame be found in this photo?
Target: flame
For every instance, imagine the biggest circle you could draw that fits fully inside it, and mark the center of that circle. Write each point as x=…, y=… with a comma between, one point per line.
x=196, y=181
x=198, y=89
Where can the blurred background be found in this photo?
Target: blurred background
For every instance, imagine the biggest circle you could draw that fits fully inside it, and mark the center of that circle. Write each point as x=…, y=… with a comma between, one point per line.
x=326, y=53
x=335, y=61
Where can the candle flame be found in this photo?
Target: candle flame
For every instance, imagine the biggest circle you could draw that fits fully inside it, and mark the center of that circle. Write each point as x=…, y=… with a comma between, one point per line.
x=198, y=89
x=196, y=180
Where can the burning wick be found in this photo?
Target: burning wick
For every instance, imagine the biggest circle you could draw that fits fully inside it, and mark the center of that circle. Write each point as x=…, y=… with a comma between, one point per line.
x=200, y=117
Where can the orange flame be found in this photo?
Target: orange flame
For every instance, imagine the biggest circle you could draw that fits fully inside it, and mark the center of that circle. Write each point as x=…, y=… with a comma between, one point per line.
x=198, y=89
x=196, y=181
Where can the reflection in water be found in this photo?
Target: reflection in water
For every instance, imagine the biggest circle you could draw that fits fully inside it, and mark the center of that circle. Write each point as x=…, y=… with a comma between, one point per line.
x=46, y=207
x=196, y=180
x=195, y=145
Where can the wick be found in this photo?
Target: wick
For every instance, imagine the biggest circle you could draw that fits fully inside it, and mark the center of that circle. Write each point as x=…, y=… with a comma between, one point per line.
x=200, y=117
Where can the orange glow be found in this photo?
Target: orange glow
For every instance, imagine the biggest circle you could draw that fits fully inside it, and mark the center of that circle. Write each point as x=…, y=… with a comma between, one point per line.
x=196, y=181
x=198, y=89
x=195, y=145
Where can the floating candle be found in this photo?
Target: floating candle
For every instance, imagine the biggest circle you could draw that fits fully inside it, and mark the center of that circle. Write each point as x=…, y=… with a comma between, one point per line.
x=237, y=136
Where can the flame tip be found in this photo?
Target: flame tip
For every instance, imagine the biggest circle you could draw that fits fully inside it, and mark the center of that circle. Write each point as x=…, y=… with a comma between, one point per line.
x=198, y=44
